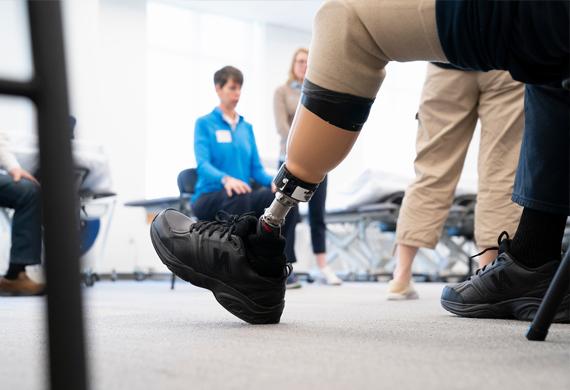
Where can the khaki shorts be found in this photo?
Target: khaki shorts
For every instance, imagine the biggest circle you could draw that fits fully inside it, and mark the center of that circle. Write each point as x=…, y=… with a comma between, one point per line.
x=354, y=39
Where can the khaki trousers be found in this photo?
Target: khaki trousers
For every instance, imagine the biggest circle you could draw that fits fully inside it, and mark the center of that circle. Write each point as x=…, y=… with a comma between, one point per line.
x=451, y=103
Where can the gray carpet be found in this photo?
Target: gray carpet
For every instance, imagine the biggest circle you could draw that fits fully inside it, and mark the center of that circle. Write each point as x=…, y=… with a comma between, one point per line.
x=144, y=336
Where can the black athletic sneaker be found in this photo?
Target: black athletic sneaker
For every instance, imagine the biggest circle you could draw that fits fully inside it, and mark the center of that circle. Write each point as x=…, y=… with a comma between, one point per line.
x=504, y=289
x=226, y=256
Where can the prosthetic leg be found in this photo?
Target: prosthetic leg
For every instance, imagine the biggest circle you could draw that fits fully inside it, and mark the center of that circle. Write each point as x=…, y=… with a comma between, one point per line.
x=352, y=43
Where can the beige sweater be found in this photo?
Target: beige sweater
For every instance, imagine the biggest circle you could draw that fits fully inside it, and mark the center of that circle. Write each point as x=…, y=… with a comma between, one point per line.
x=285, y=103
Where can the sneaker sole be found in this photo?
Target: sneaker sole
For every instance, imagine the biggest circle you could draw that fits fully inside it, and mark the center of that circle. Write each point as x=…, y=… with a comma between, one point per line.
x=231, y=299
x=523, y=309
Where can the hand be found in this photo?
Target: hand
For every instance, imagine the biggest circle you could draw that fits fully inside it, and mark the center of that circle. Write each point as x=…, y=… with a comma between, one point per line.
x=19, y=173
x=233, y=185
x=273, y=187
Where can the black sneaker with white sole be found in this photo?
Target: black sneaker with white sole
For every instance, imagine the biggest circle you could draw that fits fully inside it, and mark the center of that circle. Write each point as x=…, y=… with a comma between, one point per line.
x=226, y=256
x=504, y=289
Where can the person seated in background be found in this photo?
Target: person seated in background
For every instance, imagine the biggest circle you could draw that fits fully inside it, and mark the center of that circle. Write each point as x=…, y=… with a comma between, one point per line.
x=452, y=100
x=228, y=160
x=19, y=190
x=285, y=102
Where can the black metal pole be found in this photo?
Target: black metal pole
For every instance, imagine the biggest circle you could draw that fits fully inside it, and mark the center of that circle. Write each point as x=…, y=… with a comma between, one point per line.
x=64, y=301
x=9, y=87
x=552, y=299
x=555, y=293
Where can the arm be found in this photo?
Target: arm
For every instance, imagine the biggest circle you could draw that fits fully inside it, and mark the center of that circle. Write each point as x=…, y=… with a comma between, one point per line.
x=280, y=111
x=203, y=154
x=9, y=162
x=257, y=171
x=205, y=168
x=7, y=159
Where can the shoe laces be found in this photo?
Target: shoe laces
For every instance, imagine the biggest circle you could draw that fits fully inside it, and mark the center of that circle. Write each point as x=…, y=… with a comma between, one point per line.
x=494, y=248
x=224, y=222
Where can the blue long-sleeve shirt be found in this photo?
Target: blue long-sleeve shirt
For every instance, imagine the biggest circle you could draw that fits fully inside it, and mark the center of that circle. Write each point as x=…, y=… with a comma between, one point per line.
x=221, y=151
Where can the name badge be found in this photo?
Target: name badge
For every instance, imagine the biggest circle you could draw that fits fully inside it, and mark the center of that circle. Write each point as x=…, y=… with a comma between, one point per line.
x=223, y=136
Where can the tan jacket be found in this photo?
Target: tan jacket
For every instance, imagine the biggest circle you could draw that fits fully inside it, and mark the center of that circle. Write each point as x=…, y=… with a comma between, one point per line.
x=285, y=103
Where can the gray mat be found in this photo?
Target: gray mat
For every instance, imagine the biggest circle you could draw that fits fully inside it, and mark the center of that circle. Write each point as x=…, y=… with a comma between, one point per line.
x=144, y=336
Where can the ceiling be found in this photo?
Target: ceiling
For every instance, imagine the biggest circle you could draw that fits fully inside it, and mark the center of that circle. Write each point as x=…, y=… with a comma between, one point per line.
x=296, y=14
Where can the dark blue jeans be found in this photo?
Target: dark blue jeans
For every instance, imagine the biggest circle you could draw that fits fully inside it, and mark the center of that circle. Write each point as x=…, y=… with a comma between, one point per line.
x=207, y=205
x=531, y=40
x=543, y=174
x=24, y=197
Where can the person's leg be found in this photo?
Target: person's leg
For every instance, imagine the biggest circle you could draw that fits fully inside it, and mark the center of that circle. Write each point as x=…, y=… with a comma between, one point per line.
x=352, y=43
x=259, y=200
x=207, y=205
x=501, y=114
x=317, y=210
x=401, y=286
x=514, y=284
x=24, y=197
x=289, y=227
x=542, y=184
x=446, y=121
x=288, y=231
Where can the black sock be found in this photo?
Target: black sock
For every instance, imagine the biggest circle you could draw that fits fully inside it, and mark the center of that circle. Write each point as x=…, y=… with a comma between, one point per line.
x=14, y=270
x=538, y=239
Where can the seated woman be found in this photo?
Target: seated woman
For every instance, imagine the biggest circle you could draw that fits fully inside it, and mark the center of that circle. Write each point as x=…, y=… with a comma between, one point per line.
x=228, y=160
x=285, y=102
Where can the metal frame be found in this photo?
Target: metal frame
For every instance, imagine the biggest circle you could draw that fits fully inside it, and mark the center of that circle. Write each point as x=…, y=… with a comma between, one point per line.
x=551, y=301
x=48, y=90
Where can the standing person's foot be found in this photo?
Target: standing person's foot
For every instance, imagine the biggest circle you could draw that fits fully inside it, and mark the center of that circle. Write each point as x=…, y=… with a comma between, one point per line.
x=330, y=277
x=245, y=269
x=504, y=289
x=21, y=286
x=292, y=281
x=398, y=291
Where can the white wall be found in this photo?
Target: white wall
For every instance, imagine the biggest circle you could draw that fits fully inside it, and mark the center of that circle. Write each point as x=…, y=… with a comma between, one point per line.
x=16, y=114
x=137, y=85
x=186, y=47
x=107, y=48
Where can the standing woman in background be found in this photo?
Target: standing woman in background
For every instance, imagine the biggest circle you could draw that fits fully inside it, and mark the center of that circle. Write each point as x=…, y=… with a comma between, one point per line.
x=285, y=103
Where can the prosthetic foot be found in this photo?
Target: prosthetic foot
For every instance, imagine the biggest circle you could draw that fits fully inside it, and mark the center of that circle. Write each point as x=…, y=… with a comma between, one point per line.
x=240, y=259
x=245, y=270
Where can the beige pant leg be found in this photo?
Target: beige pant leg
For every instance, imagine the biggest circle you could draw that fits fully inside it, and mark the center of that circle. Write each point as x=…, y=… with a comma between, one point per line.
x=501, y=114
x=446, y=122
x=354, y=39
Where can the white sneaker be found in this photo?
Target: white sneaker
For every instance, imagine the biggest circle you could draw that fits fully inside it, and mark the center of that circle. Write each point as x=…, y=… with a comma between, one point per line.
x=330, y=276
x=400, y=292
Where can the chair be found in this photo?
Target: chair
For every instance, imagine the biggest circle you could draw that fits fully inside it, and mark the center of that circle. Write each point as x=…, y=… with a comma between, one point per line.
x=186, y=185
x=186, y=181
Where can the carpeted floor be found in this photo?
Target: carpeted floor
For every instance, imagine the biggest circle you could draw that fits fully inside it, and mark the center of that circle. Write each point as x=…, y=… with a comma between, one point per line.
x=144, y=336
